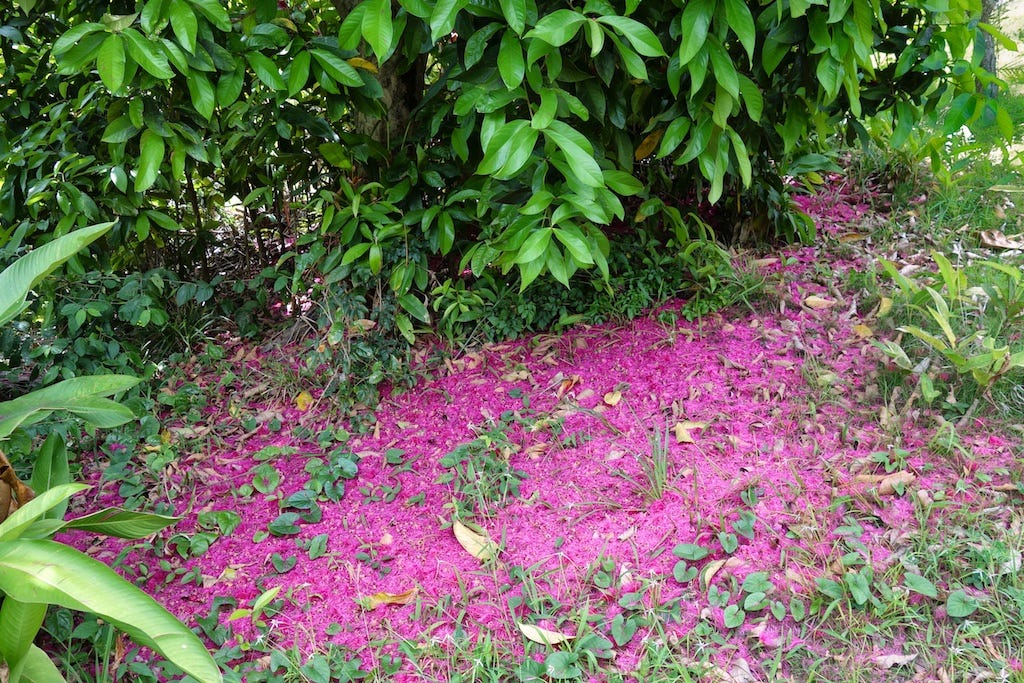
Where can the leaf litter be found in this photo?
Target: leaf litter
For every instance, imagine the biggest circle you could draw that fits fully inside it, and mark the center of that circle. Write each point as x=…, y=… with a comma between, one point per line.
x=732, y=391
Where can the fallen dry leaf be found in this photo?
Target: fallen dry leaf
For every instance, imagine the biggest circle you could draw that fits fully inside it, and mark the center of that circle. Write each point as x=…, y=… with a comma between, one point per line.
x=889, y=661
x=884, y=306
x=479, y=545
x=542, y=635
x=612, y=398
x=707, y=574
x=377, y=599
x=303, y=401
x=889, y=485
x=818, y=302
x=863, y=331
x=997, y=240
x=683, y=429
x=765, y=262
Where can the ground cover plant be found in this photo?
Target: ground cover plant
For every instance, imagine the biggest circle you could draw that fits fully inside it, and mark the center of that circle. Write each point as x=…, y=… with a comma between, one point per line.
x=760, y=493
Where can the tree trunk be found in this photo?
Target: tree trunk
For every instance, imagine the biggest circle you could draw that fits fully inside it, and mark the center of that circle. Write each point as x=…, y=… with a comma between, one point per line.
x=988, y=61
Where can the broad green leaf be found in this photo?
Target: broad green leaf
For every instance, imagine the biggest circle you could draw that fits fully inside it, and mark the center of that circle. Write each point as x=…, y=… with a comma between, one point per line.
x=919, y=584
x=119, y=130
x=742, y=157
x=511, y=65
x=50, y=469
x=18, y=279
x=498, y=149
x=184, y=24
x=47, y=572
x=214, y=12
x=298, y=72
x=694, y=22
x=378, y=27
x=415, y=307
x=110, y=62
x=151, y=155
x=76, y=395
x=39, y=668
x=201, y=91
x=557, y=28
x=639, y=36
x=520, y=152
x=37, y=508
x=515, y=14
x=827, y=72
x=266, y=70
x=623, y=183
x=74, y=35
x=476, y=44
x=122, y=523
x=673, y=136
x=725, y=72
x=959, y=605
x=534, y=247
x=741, y=22
x=337, y=68
x=229, y=86
x=752, y=97
x=575, y=243
x=578, y=152
x=442, y=19
x=548, y=109
x=148, y=54
x=336, y=154
x=19, y=624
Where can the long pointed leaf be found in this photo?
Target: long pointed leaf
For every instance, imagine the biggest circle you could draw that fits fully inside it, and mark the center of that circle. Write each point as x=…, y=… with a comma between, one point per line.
x=122, y=523
x=79, y=395
x=20, y=277
x=19, y=623
x=50, y=470
x=37, y=508
x=50, y=572
x=39, y=668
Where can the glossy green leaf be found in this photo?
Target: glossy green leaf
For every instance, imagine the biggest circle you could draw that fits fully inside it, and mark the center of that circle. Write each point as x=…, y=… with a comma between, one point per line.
x=229, y=86
x=575, y=243
x=534, y=247
x=151, y=156
x=122, y=523
x=337, y=68
x=203, y=96
x=298, y=72
x=50, y=469
x=695, y=22
x=511, y=65
x=37, y=508
x=498, y=149
x=80, y=395
x=673, y=136
x=514, y=12
x=45, y=572
x=578, y=152
x=476, y=44
x=265, y=70
x=639, y=36
x=214, y=12
x=414, y=306
x=148, y=54
x=73, y=35
x=378, y=27
x=557, y=28
x=110, y=62
x=19, y=624
x=741, y=23
x=19, y=278
x=184, y=24
x=442, y=19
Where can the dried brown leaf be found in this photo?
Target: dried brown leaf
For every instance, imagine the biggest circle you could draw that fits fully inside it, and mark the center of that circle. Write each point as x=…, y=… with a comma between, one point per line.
x=479, y=545
x=377, y=599
x=543, y=636
x=888, y=486
x=818, y=302
x=683, y=429
x=889, y=661
x=612, y=398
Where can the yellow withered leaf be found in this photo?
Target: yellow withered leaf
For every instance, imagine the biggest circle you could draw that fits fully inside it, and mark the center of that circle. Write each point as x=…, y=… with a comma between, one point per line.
x=648, y=144
x=612, y=398
x=818, y=302
x=884, y=306
x=377, y=599
x=364, y=64
x=683, y=429
x=863, y=331
x=479, y=545
x=543, y=636
x=303, y=401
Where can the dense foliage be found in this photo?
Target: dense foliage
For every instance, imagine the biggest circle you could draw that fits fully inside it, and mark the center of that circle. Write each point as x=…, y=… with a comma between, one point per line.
x=375, y=157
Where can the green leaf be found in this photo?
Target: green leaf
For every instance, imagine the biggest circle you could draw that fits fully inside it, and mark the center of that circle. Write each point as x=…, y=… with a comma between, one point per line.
x=19, y=624
x=959, y=605
x=119, y=130
x=147, y=54
x=151, y=156
x=695, y=21
x=47, y=572
x=78, y=395
x=266, y=70
x=229, y=86
x=415, y=307
x=674, y=136
x=110, y=62
x=828, y=75
x=741, y=22
x=214, y=12
x=442, y=19
x=623, y=629
x=575, y=243
x=578, y=152
x=498, y=149
x=921, y=585
x=18, y=279
x=184, y=24
x=39, y=668
x=562, y=665
x=378, y=27
x=122, y=523
x=51, y=469
x=511, y=65
x=520, y=152
x=733, y=616
x=71, y=38
x=298, y=72
x=534, y=247
x=337, y=68
x=476, y=44
x=201, y=91
x=37, y=508
x=690, y=551
x=622, y=183
x=336, y=154
x=639, y=36
x=515, y=14
x=286, y=524
x=557, y=28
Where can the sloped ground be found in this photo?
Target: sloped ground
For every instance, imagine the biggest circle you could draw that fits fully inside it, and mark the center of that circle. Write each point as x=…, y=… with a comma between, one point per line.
x=719, y=497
